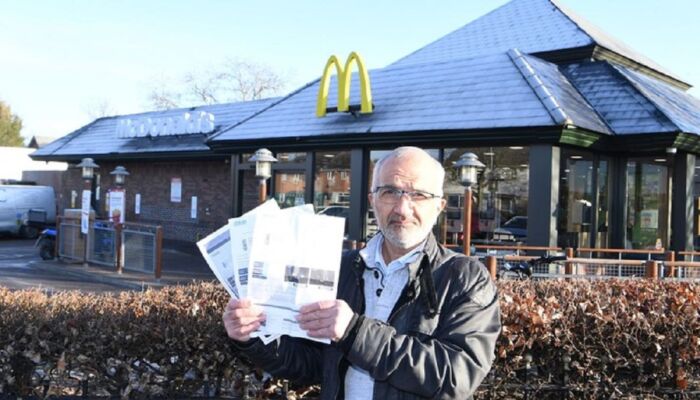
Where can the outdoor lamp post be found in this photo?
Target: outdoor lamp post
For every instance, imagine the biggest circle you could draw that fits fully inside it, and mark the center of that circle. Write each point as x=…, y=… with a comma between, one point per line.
x=263, y=170
x=117, y=197
x=468, y=165
x=117, y=211
x=88, y=172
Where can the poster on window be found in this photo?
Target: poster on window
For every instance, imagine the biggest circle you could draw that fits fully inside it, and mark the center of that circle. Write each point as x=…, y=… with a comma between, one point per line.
x=649, y=219
x=176, y=190
x=193, y=208
x=137, y=204
x=117, y=203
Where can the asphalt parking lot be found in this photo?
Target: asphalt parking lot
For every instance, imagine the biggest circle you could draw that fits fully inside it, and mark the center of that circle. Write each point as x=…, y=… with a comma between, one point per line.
x=22, y=268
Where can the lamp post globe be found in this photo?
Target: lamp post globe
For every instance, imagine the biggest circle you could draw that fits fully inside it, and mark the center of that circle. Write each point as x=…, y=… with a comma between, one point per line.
x=263, y=160
x=120, y=173
x=88, y=167
x=468, y=166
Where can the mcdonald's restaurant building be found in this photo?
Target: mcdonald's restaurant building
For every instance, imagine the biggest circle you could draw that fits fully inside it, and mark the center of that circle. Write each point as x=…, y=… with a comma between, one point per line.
x=585, y=142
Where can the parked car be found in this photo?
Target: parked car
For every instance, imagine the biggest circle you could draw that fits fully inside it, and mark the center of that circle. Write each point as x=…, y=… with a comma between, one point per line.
x=16, y=201
x=514, y=229
x=337, y=211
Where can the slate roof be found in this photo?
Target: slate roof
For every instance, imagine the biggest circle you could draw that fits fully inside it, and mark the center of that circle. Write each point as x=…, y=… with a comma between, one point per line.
x=533, y=26
x=99, y=138
x=682, y=109
x=507, y=90
x=633, y=103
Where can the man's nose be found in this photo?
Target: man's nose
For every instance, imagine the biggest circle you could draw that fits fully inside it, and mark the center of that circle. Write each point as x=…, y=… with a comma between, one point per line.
x=404, y=205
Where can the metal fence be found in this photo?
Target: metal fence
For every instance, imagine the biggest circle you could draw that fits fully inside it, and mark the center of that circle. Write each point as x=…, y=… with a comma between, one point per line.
x=102, y=243
x=141, y=248
x=71, y=243
x=501, y=266
x=131, y=246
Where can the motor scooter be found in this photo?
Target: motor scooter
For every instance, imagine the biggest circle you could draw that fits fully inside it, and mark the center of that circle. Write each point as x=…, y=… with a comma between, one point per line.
x=47, y=244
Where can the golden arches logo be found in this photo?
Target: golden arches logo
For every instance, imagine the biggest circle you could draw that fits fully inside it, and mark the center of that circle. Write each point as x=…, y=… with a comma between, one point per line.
x=344, y=81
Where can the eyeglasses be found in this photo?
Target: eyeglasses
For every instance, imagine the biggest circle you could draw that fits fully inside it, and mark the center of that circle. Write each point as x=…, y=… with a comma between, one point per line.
x=391, y=195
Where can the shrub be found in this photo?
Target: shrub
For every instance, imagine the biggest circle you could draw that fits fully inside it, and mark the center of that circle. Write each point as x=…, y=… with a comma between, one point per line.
x=632, y=336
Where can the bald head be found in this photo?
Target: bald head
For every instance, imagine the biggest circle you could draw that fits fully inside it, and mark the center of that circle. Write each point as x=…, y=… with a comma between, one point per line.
x=420, y=159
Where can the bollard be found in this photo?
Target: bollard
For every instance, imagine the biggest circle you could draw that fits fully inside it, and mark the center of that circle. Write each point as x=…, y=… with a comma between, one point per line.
x=492, y=266
x=569, y=266
x=652, y=271
x=670, y=256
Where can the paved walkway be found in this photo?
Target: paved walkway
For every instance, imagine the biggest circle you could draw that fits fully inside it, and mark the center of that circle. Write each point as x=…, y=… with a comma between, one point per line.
x=180, y=266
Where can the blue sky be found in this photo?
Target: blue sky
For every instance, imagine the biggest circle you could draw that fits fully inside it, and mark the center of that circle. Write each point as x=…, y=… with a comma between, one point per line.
x=59, y=59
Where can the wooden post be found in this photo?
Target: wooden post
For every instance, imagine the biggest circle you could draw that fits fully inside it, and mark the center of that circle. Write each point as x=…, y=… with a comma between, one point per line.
x=443, y=230
x=58, y=237
x=670, y=271
x=652, y=272
x=569, y=266
x=262, y=191
x=159, y=251
x=492, y=266
x=118, y=246
x=467, y=229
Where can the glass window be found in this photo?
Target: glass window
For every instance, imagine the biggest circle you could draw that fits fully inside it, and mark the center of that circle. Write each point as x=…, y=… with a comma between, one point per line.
x=291, y=157
x=647, y=204
x=576, y=199
x=332, y=184
x=580, y=200
x=602, y=238
x=289, y=188
x=499, y=210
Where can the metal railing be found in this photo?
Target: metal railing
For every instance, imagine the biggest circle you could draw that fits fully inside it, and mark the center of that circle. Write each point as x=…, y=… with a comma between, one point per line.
x=141, y=248
x=71, y=242
x=132, y=246
x=102, y=242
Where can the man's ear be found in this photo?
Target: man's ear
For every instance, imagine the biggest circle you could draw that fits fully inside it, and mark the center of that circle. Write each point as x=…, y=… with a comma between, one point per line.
x=442, y=205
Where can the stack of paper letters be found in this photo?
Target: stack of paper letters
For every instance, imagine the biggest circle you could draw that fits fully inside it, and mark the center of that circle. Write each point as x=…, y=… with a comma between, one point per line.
x=280, y=259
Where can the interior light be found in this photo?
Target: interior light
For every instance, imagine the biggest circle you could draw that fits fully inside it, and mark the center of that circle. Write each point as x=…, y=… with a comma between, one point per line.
x=516, y=147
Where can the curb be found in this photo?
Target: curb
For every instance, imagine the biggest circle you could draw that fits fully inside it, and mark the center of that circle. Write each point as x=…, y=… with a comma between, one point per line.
x=96, y=278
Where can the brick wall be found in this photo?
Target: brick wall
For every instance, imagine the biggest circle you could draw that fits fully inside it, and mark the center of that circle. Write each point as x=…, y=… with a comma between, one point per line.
x=208, y=180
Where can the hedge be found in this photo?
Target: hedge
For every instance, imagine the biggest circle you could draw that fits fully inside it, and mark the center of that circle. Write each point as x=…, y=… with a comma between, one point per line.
x=617, y=337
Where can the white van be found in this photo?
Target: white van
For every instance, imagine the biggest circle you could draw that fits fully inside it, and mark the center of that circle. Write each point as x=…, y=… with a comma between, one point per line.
x=15, y=203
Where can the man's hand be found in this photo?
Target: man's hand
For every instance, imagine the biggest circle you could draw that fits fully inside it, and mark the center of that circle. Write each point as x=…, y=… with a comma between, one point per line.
x=241, y=318
x=325, y=319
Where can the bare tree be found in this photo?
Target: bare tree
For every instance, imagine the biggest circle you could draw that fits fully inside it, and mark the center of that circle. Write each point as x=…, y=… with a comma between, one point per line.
x=99, y=108
x=234, y=80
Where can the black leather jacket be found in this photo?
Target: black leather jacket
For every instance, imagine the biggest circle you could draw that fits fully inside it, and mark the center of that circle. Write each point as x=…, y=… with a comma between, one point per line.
x=439, y=341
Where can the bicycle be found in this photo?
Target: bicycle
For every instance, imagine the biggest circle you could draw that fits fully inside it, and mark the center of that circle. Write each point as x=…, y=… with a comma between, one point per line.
x=523, y=268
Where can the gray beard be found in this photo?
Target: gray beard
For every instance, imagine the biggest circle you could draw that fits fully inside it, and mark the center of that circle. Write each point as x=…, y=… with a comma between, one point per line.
x=406, y=241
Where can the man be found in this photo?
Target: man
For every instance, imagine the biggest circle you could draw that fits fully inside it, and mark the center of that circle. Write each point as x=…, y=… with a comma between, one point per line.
x=412, y=319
